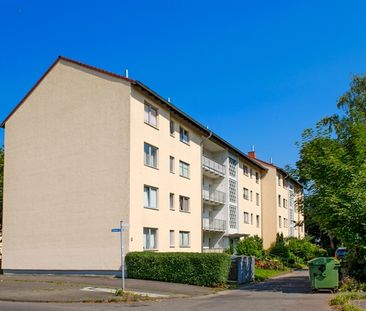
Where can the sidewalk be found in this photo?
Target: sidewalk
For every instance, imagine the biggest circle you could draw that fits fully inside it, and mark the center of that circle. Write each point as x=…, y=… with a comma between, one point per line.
x=51, y=288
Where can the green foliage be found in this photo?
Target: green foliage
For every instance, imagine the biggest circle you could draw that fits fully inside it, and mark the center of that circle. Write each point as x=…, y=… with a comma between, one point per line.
x=279, y=249
x=349, y=284
x=304, y=249
x=205, y=269
x=250, y=246
x=342, y=301
x=269, y=264
x=332, y=165
x=263, y=274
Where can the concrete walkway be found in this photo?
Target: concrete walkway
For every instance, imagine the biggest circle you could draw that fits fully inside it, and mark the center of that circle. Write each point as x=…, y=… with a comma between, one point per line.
x=47, y=288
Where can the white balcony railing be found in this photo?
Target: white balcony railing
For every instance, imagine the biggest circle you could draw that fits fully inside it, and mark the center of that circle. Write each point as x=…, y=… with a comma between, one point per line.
x=213, y=224
x=213, y=196
x=213, y=166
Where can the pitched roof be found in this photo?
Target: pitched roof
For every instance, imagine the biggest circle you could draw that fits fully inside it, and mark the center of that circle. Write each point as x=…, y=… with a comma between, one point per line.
x=152, y=93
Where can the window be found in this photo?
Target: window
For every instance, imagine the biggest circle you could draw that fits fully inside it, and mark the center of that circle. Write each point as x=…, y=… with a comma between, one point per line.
x=150, y=238
x=251, y=219
x=150, y=197
x=279, y=179
x=246, y=218
x=245, y=193
x=183, y=204
x=184, y=239
x=251, y=196
x=183, y=135
x=257, y=177
x=257, y=199
x=172, y=128
x=257, y=221
x=171, y=164
x=183, y=169
x=232, y=167
x=285, y=224
x=151, y=115
x=279, y=221
x=232, y=216
x=245, y=170
x=284, y=203
x=171, y=238
x=150, y=155
x=232, y=191
x=279, y=200
x=171, y=201
x=251, y=173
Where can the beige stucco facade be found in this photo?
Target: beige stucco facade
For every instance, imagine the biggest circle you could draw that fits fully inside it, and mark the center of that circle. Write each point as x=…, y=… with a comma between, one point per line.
x=280, y=205
x=80, y=156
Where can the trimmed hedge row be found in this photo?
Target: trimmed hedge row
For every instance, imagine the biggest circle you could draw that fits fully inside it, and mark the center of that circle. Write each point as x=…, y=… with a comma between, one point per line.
x=211, y=269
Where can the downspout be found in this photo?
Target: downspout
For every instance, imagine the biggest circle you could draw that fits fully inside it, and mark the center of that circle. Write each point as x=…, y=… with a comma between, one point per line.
x=201, y=148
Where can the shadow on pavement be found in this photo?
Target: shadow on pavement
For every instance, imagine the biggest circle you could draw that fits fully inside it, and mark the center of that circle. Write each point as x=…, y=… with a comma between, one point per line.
x=295, y=283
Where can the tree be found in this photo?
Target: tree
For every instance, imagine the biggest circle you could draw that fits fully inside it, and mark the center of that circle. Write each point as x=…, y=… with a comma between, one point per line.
x=332, y=166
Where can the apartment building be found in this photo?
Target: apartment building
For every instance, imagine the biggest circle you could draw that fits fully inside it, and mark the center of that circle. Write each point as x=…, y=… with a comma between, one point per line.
x=282, y=195
x=86, y=148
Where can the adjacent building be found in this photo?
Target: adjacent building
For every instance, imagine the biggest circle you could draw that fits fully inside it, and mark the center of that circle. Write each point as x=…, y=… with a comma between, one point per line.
x=282, y=197
x=87, y=148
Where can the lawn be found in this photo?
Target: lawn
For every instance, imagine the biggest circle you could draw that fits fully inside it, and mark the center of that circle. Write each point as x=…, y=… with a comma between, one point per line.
x=263, y=274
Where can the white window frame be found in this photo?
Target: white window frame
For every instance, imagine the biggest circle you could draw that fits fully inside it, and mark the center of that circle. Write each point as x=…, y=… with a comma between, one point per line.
x=279, y=200
x=172, y=128
x=257, y=199
x=171, y=201
x=279, y=222
x=184, y=239
x=184, y=204
x=257, y=220
x=257, y=178
x=171, y=164
x=245, y=193
x=148, y=108
x=149, y=158
x=147, y=240
x=184, y=135
x=171, y=238
x=184, y=169
x=149, y=197
x=251, y=218
x=245, y=170
x=246, y=217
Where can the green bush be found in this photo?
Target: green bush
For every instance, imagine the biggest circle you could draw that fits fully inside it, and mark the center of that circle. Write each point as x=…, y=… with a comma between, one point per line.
x=280, y=249
x=250, y=246
x=202, y=269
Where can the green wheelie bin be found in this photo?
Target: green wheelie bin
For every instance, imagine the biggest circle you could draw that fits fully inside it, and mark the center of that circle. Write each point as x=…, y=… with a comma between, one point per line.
x=324, y=273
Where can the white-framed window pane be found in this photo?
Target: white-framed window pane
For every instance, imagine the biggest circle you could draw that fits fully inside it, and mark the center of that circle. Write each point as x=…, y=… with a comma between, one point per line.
x=245, y=193
x=171, y=238
x=171, y=164
x=146, y=113
x=171, y=127
x=150, y=155
x=183, y=169
x=251, y=219
x=150, y=197
x=183, y=203
x=171, y=200
x=183, y=135
x=183, y=238
x=246, y=218
x=150, y=238
x=258, y=221
x=151, y=115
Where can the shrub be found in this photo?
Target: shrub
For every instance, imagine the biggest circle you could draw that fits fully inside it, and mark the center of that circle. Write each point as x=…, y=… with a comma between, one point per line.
x=280, y=249
x=250, y=246
x=209, y=269
x=269, y=264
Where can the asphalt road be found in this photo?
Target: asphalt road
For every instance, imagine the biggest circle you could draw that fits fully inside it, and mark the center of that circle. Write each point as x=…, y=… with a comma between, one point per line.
x=290, y=292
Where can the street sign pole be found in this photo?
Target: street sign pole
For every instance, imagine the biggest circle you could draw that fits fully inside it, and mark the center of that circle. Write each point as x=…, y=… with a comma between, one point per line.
x=122, y=257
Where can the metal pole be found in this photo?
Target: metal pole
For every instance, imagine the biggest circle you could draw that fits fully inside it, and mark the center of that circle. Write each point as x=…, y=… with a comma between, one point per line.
x=122, y=258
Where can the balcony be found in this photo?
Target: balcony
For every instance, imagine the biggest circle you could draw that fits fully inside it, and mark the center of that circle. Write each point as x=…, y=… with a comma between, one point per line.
x=217, y=225
x=213, y=197
x=213, y=169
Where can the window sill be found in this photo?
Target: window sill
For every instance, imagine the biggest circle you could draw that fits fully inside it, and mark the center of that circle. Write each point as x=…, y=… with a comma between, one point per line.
x=151, y=250
x=172, y=209
x=187, y=212
x=156, y=168
x=153, y=126
x=151, y=208
x=184, y=177
x=184, y=246
x=171, y=246
x=172, y=135
x=186, y=143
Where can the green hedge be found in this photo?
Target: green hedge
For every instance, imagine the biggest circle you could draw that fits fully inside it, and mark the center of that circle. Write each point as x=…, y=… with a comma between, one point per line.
x=209, y=269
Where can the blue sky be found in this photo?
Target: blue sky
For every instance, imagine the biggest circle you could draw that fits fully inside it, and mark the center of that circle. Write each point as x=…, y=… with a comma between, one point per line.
x=255, y=72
